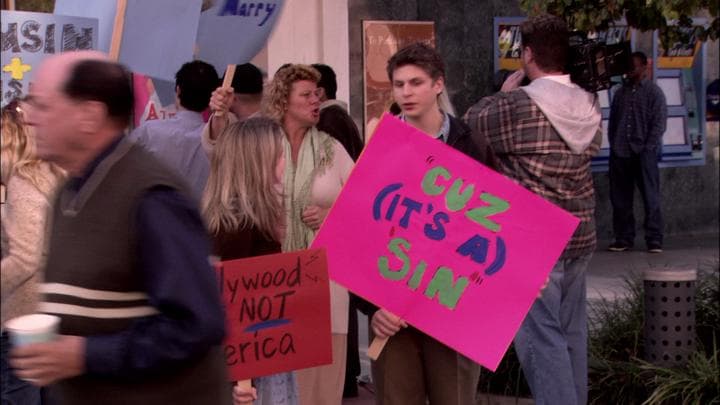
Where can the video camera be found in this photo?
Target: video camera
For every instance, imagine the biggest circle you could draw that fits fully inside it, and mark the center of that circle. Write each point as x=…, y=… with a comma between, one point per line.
x=593, y=63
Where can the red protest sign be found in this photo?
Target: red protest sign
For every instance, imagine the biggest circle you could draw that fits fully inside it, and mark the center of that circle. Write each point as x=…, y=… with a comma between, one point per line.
x=277, y=313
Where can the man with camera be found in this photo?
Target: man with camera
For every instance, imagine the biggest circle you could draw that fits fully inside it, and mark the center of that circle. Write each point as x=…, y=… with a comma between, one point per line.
x=545, y=135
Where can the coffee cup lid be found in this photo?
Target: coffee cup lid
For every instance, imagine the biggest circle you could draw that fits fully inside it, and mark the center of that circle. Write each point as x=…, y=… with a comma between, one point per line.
x=32, y=322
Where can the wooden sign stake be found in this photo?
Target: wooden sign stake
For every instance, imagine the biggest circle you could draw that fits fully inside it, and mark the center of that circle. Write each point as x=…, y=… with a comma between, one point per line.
x=227, y=83
x=118, y=27
x=376, y=347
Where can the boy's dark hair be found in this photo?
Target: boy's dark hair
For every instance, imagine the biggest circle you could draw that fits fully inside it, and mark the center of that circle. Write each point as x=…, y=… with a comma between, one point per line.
x=548, y=37
x=248, y=79
x=196, y=81
x=641, y=56
x=328, y=80
x=107, y=82
x=420, y=55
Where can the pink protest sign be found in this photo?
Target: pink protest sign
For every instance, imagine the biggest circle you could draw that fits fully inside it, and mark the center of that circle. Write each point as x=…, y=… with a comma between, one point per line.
x=454, y=248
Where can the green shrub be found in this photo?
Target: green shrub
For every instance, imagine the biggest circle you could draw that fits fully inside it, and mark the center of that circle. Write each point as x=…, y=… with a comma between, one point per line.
x=615, y=340
x=696, y=384
x=615, y=326
x=707, y=309
x=617, y=374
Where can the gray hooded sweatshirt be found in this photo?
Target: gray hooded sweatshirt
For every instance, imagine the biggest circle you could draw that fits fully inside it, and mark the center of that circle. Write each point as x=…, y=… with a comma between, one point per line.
x=572, y=111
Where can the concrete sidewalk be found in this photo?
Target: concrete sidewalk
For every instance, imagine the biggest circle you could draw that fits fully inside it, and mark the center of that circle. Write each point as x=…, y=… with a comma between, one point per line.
x=608, y=270
x=605, y=279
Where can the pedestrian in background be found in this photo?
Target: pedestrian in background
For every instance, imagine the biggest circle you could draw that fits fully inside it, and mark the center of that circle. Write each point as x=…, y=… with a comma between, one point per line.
x=638, y=116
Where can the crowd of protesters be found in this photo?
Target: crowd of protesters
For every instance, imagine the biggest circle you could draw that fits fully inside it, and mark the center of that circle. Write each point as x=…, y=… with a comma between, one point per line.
x=111, y=229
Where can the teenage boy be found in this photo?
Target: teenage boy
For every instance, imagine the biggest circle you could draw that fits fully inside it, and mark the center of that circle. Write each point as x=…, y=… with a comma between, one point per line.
x=414, y=368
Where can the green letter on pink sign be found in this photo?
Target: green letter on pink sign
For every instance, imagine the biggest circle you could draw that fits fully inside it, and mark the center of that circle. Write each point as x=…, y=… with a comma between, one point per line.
x=442, y=286
x=384, y=265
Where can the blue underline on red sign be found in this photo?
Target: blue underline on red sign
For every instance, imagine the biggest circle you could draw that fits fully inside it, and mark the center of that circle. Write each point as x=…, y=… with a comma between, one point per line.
x=266, y=325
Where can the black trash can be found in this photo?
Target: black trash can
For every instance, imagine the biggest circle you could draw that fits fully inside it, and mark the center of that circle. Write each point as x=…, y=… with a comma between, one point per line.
x=669, y=316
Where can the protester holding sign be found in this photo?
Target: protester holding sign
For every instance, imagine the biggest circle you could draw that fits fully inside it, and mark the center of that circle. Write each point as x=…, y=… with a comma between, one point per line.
x=317, y=168
x=243, y=208
x=229, y=104
x=415, y=367
x=545, y=135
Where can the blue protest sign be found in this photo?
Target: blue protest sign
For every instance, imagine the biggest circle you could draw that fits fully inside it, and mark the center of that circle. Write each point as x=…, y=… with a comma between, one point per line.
x=234, y=31
x=158, y=36
x=103, y=10
x=28, y=38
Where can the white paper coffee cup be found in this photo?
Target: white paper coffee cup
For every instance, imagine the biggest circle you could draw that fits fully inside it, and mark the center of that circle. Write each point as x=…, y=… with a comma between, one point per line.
x=34, y=328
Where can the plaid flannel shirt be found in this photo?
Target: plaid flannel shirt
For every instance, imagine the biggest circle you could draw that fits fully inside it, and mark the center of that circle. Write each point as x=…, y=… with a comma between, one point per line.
x=531, y=152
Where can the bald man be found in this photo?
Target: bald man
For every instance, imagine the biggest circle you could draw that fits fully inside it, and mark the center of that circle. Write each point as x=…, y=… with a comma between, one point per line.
x=127, y=272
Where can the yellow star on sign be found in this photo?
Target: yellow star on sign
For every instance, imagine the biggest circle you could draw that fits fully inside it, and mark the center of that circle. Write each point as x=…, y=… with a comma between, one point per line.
x=16, y=68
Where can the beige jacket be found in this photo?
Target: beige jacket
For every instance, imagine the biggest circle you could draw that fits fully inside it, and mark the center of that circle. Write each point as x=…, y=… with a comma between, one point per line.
x=25, y=226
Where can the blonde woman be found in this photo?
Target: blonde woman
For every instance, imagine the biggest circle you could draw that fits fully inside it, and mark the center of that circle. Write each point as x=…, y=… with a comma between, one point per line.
x=243, y=208
x=317, y=168
x=30, y=187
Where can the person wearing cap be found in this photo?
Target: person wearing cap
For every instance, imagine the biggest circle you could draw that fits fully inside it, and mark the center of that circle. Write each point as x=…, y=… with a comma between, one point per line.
x=238, y=103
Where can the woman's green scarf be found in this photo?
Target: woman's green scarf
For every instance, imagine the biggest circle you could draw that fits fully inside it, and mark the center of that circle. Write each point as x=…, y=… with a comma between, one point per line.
x=315, y=156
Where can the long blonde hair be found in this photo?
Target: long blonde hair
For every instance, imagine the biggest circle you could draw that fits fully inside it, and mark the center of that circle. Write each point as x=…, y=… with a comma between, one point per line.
x=277, y=94
x=242, y=189
x=17, y=152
